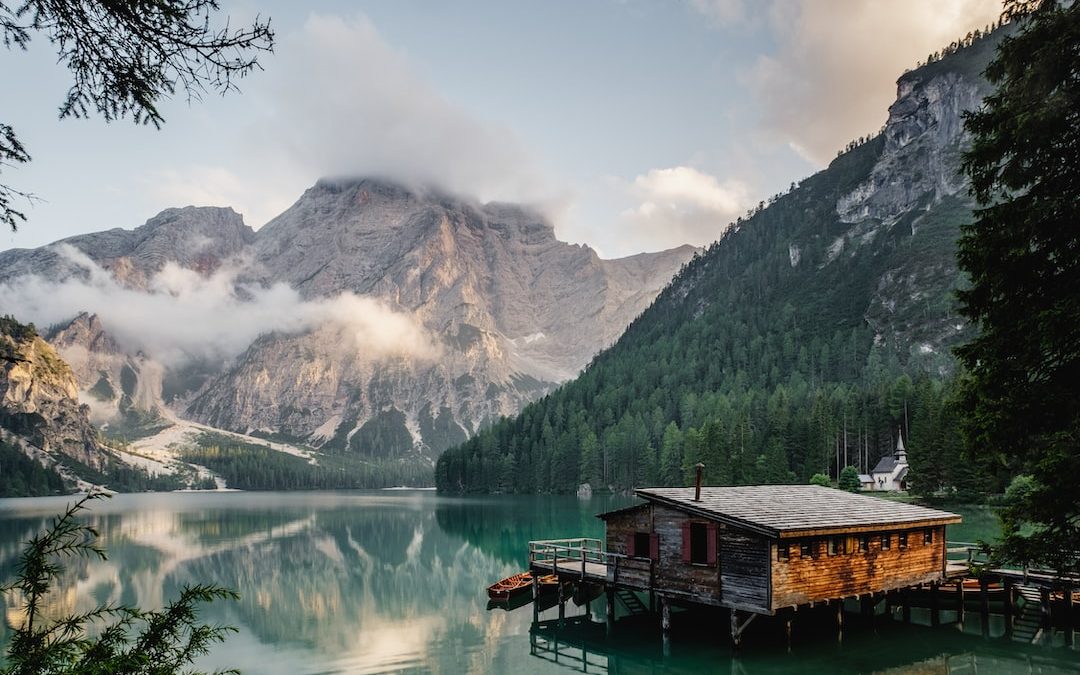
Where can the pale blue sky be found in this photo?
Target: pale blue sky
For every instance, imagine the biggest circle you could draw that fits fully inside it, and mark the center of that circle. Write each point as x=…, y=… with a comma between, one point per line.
x=636, y=125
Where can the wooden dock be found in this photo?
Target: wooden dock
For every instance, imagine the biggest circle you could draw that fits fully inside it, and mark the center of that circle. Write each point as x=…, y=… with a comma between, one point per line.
x=1027, y=604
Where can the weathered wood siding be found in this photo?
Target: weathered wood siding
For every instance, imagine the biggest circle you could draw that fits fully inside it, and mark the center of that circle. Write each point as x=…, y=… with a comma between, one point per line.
x=744, y=570
x=698, y=582
x=635, y=571
x=799, y=580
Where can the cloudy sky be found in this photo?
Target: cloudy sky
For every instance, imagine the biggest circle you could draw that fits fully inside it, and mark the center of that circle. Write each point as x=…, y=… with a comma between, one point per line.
x=637, y=125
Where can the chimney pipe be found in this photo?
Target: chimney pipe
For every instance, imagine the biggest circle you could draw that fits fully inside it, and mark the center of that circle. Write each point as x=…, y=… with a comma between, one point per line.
x=697, y=484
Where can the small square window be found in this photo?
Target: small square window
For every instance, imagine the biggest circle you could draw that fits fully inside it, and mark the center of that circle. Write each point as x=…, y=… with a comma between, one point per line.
x=837, y=546
x=864, y=543
x=806, y=549
x=901, y=540
x=641, y=544
x=886, y=542
x=783, y=551
x=928, y=537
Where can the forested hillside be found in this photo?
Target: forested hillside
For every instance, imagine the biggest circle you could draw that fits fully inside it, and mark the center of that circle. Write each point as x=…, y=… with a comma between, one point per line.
x=800, y=342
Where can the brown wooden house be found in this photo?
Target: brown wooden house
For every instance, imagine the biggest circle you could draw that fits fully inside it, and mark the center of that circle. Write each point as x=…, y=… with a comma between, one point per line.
x=767, y=547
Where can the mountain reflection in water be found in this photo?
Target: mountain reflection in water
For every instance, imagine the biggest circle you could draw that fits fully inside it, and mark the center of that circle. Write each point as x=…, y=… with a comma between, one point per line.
x=364, y=582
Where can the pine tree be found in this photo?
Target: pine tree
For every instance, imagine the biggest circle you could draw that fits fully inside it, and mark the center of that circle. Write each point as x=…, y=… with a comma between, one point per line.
x=1022, y=252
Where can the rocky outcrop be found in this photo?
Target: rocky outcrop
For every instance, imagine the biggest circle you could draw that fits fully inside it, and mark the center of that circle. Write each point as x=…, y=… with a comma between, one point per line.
x=909, y=209
x=925, y=130
x=39, y=397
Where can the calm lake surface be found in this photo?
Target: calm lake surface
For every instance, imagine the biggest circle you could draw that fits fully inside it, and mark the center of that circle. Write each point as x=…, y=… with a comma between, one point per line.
x=373, y=582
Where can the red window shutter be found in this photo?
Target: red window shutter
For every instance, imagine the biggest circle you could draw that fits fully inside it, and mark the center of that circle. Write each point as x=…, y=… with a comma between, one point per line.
x=711, y=553
x=654, y=546
x=630, y=545
x=686, y=542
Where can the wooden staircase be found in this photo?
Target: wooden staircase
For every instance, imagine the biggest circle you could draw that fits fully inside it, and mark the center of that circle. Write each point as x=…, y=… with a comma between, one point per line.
x=629, y=599
x=1028, y=624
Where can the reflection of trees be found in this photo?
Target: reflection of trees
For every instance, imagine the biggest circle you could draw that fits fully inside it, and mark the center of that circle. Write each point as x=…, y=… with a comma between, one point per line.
x=373, y=580
x=503, y=527
x=353, y=568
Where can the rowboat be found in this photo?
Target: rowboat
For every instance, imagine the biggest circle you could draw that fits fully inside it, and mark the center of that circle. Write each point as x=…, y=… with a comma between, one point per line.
x=511, y=586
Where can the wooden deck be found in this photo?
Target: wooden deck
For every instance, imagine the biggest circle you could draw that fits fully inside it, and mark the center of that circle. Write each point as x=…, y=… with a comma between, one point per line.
x=568, y=567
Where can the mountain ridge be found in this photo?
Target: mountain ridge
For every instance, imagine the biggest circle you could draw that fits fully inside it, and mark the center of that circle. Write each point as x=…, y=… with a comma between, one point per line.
x=512, y=309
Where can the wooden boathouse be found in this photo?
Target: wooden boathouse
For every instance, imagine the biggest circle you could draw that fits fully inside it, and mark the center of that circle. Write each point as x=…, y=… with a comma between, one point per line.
x=757, y=550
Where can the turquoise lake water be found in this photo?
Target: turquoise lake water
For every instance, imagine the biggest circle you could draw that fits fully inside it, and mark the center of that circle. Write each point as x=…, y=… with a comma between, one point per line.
x=374, y=582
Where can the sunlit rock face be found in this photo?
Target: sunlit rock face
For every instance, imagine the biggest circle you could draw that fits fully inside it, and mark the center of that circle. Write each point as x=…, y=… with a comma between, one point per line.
x=39, y=401
x=505, y=310
x=908, y=211
x=513, y=311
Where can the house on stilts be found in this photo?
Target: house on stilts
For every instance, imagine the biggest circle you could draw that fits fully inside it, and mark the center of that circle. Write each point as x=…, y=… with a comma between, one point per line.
x=757, y=550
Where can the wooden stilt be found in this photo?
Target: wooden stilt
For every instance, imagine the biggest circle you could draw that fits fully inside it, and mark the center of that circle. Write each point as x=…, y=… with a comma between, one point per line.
x=906, y=599
x=736, y=634
x=787, y=631
x=984, y=605
x=960, y=602
x=935, y=613
x=536, y=598
x=839, y=614
x=1009, y=607
x=665, y=615
x=562, y=609
x=867, y=602
x=1068, y=611
x=610, y=606
x=1045, y=597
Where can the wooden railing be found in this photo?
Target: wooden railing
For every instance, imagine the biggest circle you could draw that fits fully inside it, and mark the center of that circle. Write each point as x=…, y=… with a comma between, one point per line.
x=964, y=552
x=571, y=554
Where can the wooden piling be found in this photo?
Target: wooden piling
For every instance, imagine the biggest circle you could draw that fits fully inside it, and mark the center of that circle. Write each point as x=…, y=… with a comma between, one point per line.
x=960, y=601
x=1068, y=611
x=984, y=605
x=935, y=611
x=1009, y=608
x=610, y=593
x=1044, y=594
x=736, y=634
x=665, y=615
x=536, y=598
x=906, y=599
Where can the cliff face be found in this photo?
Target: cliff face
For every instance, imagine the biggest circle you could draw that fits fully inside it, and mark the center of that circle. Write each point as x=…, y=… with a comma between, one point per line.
x=39, y=399
x=514, y=311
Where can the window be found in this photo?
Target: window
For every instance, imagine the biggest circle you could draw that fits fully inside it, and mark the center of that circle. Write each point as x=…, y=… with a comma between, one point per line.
x=808, y=549
x=783, y=551
x=837, y=546
x=699, y=543
x=901, y=540
x=864, y=543
x=886, y=542
x=641, y=544
x=928, y=537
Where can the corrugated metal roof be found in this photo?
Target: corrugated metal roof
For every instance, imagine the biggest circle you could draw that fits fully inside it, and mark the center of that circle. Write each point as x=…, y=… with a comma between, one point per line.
x=775, y=509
